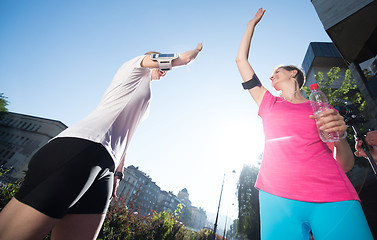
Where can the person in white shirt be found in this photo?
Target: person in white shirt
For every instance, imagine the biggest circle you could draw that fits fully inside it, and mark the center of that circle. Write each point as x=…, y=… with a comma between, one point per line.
x=71, y=179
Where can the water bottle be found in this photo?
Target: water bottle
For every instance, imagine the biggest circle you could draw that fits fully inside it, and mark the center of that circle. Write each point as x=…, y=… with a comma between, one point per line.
x=320, y=103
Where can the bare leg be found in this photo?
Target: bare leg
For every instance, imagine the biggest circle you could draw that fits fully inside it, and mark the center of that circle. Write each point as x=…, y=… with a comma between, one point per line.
x=78, y=227
x=19, y=221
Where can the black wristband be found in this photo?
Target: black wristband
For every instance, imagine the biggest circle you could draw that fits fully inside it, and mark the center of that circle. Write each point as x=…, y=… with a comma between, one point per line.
x=253, y=82
x=119, y=175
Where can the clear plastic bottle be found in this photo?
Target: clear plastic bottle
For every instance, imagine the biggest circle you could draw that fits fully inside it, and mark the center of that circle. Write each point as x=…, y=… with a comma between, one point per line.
x=320, y=103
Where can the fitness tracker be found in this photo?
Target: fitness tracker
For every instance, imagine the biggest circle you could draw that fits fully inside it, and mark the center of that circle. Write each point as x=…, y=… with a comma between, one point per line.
x=119, y=175
x=164, y=60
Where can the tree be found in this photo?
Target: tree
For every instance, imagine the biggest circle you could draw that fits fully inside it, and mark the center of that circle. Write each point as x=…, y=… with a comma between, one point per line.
x=3, y=103
x=248, y=203
x=348, y=91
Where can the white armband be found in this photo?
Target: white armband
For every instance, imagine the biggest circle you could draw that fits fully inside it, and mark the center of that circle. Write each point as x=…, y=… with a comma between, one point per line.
x=164, y=60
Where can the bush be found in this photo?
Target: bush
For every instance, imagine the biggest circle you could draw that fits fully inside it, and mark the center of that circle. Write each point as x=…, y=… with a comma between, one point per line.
x=121, y=223
x=7, y=191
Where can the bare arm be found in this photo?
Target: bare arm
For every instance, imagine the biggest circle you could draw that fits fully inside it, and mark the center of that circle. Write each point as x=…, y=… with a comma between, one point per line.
x=331, y=121
x=116, y=179
x=243, y=64
x=343, y=155
x=183, y=59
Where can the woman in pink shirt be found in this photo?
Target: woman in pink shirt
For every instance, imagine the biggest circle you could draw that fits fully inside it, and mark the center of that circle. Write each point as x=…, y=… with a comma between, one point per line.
x=302, y=181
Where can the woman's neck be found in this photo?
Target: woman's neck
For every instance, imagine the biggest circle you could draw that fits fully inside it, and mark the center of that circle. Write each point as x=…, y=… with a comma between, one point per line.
x=295, y=97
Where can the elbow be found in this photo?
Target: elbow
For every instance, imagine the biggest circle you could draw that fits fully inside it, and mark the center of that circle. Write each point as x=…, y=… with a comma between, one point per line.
x=240, y=60
x=349, y=165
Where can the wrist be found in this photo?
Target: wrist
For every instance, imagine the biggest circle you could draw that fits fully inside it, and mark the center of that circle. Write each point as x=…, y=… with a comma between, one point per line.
x=252, y=24
x=118, y=175
x=342, y=136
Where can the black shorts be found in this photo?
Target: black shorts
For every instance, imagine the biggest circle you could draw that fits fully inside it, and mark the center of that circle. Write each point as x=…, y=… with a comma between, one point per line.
x=69, y=175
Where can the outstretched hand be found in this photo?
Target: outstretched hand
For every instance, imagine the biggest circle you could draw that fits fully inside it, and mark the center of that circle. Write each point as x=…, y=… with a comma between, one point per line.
x=189, y=56
x=258, y=16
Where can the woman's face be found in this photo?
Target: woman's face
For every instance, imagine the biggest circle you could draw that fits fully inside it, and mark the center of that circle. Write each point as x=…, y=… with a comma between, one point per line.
x=280, y=75
x=157, y=74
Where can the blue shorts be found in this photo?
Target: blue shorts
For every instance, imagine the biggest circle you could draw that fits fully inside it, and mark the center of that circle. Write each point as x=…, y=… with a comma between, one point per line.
x=283, y=218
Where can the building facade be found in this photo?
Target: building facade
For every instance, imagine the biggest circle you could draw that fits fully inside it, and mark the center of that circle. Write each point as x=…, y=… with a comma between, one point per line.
x=138, y=191
x=167, y=201
x=352, y=27
x=20, y=137
x=321, y=57
x=194, y=217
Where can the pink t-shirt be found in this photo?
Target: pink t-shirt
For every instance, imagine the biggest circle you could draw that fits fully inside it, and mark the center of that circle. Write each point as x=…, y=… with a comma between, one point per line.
x=296, y=163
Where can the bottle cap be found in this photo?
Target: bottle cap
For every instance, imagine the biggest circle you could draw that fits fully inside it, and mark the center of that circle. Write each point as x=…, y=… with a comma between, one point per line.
x=313, y=86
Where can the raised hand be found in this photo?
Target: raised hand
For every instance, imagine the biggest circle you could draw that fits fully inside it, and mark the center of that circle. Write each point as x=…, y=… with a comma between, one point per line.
x=258, y=16
x=188, y=56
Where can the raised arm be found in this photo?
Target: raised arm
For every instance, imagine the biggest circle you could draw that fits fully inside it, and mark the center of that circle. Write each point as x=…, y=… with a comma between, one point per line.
x=183, y=58
x=243, y=64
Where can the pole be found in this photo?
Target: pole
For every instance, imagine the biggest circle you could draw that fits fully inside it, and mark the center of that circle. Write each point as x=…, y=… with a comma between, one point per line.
x=226, y=219
x=218, y=208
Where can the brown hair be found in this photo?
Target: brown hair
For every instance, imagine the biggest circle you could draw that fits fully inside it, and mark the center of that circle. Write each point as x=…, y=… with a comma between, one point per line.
x=300, y=76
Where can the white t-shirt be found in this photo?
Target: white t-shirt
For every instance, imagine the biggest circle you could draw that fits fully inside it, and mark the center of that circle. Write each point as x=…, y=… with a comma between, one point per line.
x=124, y=105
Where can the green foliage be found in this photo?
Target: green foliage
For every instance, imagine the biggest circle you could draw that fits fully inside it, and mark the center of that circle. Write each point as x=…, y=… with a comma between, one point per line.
x=205, y=234
x=121, y=223
x=3, y=103
x=348, y=91
x=7, y=191
x=248, y=203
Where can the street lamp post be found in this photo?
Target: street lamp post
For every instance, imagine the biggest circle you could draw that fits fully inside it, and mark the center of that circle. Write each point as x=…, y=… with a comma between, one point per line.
x=218, y=208
x=226, y=219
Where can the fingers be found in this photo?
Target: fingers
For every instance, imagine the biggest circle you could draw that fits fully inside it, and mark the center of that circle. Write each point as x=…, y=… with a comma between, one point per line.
x=331, y=121
x=360, y=154
x=371, y=138
x=260, y=13
x=258, y=16
x=199, y=47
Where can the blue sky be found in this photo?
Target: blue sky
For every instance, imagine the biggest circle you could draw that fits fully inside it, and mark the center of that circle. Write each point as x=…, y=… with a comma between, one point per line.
x=58, y=57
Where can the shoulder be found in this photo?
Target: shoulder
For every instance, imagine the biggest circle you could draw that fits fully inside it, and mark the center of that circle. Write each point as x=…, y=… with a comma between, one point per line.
x=267, y=101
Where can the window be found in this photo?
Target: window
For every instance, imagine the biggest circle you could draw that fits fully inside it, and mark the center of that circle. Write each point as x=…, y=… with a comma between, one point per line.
x=27, y=126
x=25, y=141
x=15, y=139
x=19, y=124
x=23, y=125
x=11, y=155
x=20, y=140
x=5, y=154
